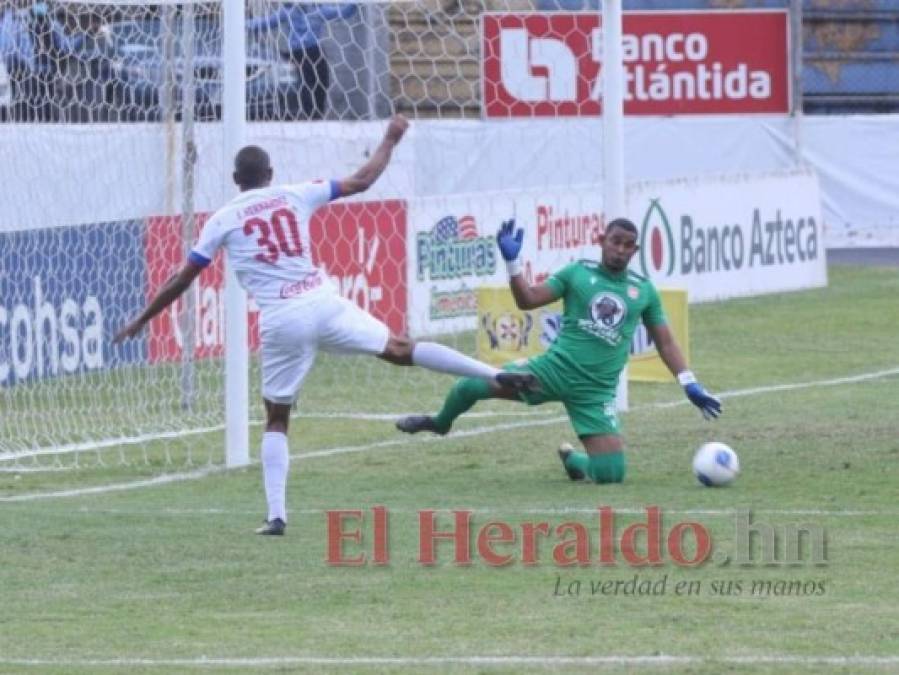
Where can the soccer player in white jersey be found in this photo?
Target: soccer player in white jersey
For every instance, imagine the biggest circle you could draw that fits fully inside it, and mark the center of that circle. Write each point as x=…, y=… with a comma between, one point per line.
x=265, y=230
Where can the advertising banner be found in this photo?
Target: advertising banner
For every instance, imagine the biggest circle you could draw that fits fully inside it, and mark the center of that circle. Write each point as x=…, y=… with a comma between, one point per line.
x=63, y=292
x=727, y=236
x=645, y=364
x=715, y=237
x=506, y=333
x=362, y=247
x=452, y=247
x=675, y=63
x=164, y=257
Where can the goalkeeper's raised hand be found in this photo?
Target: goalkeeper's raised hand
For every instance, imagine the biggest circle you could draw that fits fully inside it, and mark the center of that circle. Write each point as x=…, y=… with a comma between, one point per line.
x=509, y=241
x=707, y=404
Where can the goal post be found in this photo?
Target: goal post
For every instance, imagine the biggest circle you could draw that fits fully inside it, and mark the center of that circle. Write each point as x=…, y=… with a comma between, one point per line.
x=234, y=121
x=111, y=166
x=613, y=131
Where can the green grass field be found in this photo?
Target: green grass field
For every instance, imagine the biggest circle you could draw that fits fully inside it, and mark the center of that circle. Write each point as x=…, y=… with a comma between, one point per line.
x=169, y=578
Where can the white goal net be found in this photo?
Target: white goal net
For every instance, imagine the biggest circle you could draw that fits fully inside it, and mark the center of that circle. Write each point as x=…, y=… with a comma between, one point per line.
x=113, y=149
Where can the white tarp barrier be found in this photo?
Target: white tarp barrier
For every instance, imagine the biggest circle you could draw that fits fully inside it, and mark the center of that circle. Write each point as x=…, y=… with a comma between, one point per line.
x=58, y=175
x=55, y=175
x=856, y=159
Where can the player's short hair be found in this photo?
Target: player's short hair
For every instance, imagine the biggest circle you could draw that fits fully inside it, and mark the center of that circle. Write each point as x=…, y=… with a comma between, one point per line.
x=622, y=223
x=252, y=166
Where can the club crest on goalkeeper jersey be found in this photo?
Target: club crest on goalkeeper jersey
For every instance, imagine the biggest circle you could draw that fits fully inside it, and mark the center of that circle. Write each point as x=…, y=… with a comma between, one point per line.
x=266, y=234
x=600, y=313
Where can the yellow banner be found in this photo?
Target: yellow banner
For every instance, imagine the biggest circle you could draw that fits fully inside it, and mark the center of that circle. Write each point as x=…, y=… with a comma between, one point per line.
x=645, y=364
x=506, y=333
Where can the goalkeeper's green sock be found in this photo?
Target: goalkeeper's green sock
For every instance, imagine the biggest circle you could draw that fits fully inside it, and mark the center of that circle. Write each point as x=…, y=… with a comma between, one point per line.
x=607, y=467
x=464, y=394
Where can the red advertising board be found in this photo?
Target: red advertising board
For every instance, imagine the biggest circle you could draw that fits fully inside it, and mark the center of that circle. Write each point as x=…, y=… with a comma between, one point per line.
x=165, y=256
x=361, y=245
x=675, y=63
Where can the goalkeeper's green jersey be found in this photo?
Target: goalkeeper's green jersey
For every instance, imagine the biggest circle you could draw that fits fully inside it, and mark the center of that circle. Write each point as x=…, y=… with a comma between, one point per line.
x=601, y=310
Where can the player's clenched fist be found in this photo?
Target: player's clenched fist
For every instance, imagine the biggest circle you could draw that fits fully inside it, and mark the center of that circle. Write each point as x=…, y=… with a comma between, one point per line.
x=396, y=128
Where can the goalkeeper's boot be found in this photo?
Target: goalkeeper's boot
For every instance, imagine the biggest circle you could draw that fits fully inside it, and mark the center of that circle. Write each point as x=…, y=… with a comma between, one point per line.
x=520, y=382
x=275, y=526
x=412, y=424
x=565, y=451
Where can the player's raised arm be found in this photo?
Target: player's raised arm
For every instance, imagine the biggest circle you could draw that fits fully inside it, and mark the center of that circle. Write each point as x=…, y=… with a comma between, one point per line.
x=170, y=292
x=526, y=296
x=671, y=356
x=369, y=172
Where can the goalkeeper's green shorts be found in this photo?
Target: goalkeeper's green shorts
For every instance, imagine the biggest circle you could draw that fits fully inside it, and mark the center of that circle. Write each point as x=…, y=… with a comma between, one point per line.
x=591, y=411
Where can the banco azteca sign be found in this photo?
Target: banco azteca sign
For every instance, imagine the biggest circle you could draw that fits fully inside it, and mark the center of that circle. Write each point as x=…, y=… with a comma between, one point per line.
x=680, y=244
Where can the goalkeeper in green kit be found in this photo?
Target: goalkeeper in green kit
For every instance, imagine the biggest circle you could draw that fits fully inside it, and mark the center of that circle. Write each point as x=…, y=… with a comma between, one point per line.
x=602, y=303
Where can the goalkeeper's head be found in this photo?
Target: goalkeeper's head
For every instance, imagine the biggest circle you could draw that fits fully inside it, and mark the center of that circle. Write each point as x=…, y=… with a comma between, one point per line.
x=619, y=244
x=252, y=168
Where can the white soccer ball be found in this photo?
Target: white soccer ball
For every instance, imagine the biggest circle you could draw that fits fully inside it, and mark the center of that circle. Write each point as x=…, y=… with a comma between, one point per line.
x=716, y=464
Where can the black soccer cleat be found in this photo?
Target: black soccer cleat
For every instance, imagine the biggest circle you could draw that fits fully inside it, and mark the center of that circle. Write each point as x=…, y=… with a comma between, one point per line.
x=412, y=424
x=275, y=527
x=520, y=382
x=565, y=451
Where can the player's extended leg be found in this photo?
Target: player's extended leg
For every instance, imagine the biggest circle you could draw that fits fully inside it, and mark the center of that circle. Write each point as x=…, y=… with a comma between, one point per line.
x=275, y=465
x=463, y=395
x=402, y=351
x=350, y=330
x=602, y=462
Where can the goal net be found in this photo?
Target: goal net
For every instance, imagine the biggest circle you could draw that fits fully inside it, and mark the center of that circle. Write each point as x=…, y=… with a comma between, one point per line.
x=114, y=155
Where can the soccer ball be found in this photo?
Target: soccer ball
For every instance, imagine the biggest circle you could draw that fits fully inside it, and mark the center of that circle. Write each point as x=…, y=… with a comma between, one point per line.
x=716, y=464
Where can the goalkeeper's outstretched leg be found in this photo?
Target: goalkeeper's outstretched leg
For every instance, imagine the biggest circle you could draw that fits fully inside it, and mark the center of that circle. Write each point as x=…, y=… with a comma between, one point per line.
x=512, y=386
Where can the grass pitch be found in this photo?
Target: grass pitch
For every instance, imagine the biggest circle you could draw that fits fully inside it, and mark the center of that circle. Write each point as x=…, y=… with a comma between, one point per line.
x=160, y=578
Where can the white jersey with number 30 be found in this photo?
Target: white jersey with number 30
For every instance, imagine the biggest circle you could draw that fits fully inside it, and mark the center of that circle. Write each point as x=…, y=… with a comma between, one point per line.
x=266, y=234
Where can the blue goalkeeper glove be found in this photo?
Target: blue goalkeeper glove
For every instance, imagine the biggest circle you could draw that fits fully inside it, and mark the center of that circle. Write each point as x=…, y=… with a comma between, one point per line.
x=509, y=240
x=707, y=404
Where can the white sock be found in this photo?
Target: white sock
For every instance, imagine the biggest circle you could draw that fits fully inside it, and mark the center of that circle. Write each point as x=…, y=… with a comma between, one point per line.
x=434, y=356
x=275, y=463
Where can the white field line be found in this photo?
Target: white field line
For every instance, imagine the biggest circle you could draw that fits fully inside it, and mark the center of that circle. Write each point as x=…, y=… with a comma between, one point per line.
x=118, y=487
x=107, y=443
x=201, y=473
x=87, y=446
x=206, y=471
x=146, y=438
x=658, y=660
x=393, y=415
x=491, y=511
